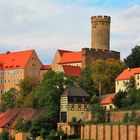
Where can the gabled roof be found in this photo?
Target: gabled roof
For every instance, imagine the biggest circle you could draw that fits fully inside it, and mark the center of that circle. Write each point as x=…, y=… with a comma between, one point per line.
x=14, y=60
x=71, y=70
x=75, y=92
x=128, y=73
x=10, y=117
x=71, y=57
x=45, y=67
x=61, y=52
x=107, y=100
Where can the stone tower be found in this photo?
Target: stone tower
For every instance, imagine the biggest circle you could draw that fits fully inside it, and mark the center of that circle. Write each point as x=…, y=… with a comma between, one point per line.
x=100, y=32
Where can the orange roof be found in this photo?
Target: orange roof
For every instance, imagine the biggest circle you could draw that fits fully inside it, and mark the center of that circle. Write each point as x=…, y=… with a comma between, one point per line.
x=45, y=67
x=61, y=52
x=107, y=100
x=14, y=60
x=71, y=70
x=12, y=115
x=128, y=73
x=71, y=57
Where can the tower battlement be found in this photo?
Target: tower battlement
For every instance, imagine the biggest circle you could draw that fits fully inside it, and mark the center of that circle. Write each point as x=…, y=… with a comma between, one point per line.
x=101, y=19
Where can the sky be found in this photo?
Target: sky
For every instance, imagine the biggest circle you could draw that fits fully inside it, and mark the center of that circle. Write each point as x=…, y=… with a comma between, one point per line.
x=48, y=25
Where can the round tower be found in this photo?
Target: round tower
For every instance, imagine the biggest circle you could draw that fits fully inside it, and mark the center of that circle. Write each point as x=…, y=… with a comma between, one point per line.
x=100, y=32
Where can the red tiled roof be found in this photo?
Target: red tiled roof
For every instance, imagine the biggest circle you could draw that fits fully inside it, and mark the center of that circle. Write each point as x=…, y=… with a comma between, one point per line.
x=71, y=57
x=128, y=73
x=71, y=70
x=12, y=60
x=45, y=67
x=61, y=52
x=107, y=100
x=12, y=115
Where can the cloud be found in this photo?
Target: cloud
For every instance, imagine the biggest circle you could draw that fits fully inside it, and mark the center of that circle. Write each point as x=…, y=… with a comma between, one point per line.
x=46, y=25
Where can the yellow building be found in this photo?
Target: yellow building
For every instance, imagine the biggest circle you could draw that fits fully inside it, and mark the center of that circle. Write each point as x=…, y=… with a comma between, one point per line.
x=15, y=66
x=107, y=101
x=74, y=103
x=124, y=78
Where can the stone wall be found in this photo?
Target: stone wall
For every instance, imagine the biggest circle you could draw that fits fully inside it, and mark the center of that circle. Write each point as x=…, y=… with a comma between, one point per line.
x=89, y=55
x=110, y=132
x=117, y=116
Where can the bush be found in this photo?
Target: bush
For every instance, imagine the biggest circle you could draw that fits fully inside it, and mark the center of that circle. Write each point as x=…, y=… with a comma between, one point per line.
x=4, y=135
x=126, y=118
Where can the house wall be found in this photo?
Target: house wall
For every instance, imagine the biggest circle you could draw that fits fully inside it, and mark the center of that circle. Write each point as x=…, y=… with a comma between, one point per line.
x=78, y=115
x=32, y=68
x=137, y=80
x=22, y=136
x=120, y=85
x=12, y=78
x=108, y=106
x=55, y=65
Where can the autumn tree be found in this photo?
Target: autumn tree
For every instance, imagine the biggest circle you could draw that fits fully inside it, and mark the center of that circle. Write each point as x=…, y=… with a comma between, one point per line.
x=133, y=59
x=104, y=74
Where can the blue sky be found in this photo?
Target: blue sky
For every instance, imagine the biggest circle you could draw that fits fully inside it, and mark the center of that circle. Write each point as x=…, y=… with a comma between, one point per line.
x=48, y=25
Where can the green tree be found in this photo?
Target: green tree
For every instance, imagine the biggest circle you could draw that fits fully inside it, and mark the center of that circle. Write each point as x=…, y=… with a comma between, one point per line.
x=104, y=74
x=42, y=125
x=120, y=99
x=24, y=98
x=47, y=95
x=85, y=81
x=22, y=126
x=4, y=135
x=133, y=60
x=97, y=111
x=8, y=100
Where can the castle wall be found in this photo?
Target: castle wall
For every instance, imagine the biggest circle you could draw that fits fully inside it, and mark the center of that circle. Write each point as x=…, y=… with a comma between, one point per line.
x=89, y=55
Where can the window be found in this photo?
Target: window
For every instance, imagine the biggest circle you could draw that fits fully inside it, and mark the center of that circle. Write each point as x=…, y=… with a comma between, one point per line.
x=63, y=117
x=33, y=65
x=83, y=99
x=138, y=77
x=117, y=82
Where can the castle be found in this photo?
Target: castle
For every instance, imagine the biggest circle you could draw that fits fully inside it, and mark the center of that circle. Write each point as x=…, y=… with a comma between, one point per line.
x=100, y=41
x=100, y=48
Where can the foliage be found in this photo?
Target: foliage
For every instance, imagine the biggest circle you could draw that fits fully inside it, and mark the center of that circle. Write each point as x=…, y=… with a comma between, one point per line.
x=132, y=117
x=26, y=86
x=4, y=135
x=104, y=74
x=133, y=60
x=120, y=99
x=50, y=90
x=98, y=112
x=42, y=125
x=8, y=100
x=85, y=81
x=22, y=126
x=126, y=118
